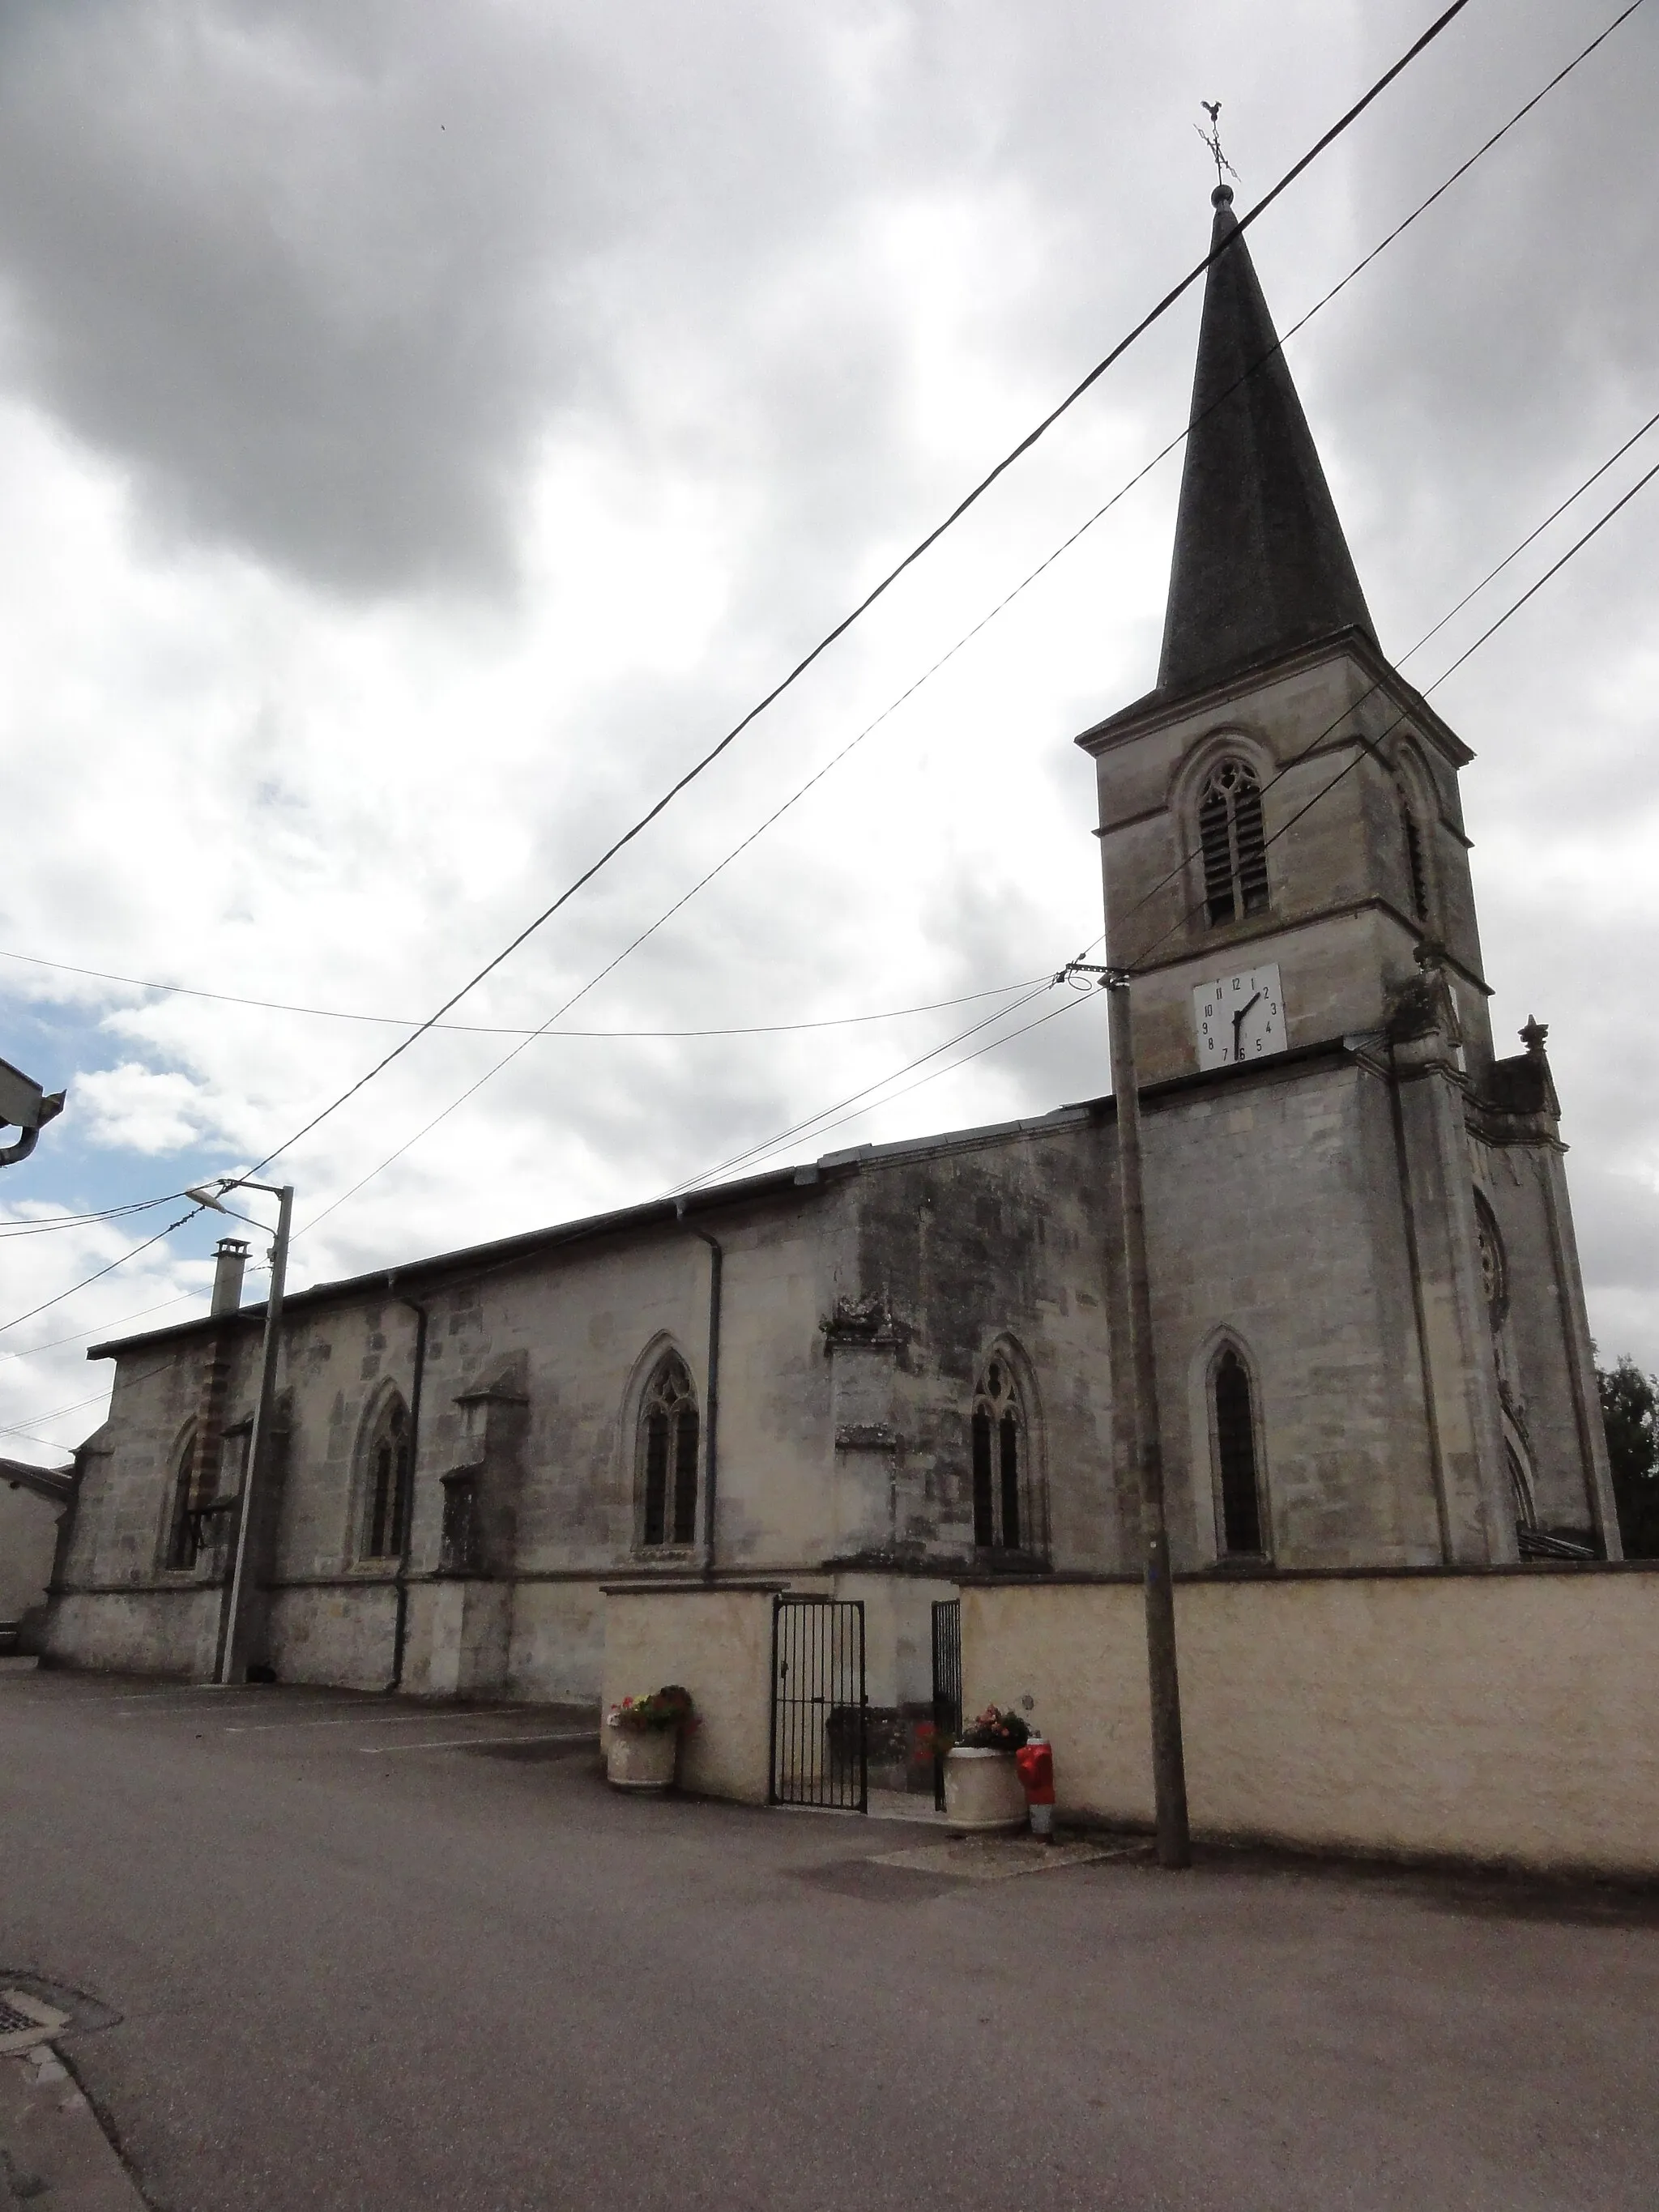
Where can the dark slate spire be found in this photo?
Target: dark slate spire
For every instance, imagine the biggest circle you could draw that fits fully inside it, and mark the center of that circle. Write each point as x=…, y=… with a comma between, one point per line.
x=1261, y=564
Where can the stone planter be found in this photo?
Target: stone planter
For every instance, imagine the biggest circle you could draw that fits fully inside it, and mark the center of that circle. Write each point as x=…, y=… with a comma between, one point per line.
x=983, y=1793
x=640, y=1758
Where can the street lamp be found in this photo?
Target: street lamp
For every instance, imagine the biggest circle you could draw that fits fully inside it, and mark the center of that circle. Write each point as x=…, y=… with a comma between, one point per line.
x=233, y=1632
x=24, y=1106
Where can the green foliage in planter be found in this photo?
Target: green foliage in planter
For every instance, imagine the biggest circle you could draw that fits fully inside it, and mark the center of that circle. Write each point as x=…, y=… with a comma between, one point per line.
x=667, y=1708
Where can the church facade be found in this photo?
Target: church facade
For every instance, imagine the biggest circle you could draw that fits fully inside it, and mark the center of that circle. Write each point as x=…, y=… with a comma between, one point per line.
x=902, y=1365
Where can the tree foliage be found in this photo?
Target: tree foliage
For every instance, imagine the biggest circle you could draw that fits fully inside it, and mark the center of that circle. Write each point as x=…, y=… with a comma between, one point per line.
x=1630, y=1412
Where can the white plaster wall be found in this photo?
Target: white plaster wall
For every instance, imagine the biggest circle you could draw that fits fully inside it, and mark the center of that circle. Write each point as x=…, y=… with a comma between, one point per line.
x=1505, y=1718
x=718, y=1643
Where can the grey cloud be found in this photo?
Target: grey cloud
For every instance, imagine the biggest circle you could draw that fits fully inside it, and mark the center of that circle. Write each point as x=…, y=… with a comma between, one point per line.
x=299, y=269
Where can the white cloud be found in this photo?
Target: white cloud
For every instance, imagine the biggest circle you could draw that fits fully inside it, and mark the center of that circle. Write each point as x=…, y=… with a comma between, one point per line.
x=424, y=433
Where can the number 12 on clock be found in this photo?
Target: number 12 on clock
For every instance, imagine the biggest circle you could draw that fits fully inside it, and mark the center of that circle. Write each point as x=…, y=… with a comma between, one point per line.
x=1239, y=1016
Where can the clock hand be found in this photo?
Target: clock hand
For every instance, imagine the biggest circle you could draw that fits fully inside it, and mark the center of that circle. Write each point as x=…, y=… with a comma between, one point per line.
x=1238, y=1020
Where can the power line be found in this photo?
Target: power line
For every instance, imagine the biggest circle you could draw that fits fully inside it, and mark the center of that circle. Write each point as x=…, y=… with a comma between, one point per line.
x=1367, y=747
x=995, y=1044
x=80, y=1335
x=839, y=628
x=488, y=1029
x=783, y=1135
x=85, y=1220
x=1008, y=599
x=46, y=1304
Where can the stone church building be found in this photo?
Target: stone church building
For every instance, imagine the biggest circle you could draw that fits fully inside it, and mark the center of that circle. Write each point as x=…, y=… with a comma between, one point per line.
x=905, y=1364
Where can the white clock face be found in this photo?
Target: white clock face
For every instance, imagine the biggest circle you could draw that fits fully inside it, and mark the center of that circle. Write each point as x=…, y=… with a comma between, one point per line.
x=1239, y=1016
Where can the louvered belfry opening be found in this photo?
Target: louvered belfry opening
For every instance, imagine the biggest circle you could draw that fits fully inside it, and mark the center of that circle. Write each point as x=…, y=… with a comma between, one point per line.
x=1235, y=1436
x=1233, y=843
x=670, y=1431
x=998, y=1426
x=1419, y=881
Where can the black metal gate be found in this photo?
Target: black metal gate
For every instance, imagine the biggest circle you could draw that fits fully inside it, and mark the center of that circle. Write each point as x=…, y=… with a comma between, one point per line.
x=820, y=1751
x=947, y=1686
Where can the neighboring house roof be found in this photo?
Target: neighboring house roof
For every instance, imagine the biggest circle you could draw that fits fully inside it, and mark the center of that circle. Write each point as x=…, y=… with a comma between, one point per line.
x=57, y=1484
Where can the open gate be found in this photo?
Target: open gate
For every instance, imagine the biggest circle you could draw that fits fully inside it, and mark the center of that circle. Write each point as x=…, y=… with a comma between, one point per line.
x=947, y=1686
x=820, y=1749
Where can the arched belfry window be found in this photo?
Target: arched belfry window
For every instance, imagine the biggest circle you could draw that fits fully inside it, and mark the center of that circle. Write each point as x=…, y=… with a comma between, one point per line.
x=183, y=1529
x=1238, y=1477
x=1233, y=842
x=670, y=1432
x=1417, y=874
x=999, y=1456
x=385, y=1480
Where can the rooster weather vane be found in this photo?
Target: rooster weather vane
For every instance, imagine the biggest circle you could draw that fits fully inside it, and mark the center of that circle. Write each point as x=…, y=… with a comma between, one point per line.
x=1212, y=138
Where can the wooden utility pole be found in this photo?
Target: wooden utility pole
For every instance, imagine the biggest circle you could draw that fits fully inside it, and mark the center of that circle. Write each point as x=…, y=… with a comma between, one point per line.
x=1169, y=1761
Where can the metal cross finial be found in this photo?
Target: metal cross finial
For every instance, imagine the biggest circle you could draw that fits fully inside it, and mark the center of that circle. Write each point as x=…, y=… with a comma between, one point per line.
x=1212, y=138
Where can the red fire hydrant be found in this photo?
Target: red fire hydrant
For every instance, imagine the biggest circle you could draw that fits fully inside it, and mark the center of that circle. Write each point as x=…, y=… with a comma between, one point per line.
x=1034, y=1762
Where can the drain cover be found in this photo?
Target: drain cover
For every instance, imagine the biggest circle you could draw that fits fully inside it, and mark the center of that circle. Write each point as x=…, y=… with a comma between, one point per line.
x=24, y=2022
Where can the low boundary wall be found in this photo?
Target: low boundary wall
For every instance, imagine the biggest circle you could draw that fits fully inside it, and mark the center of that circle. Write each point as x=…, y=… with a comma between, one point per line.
x=1509, y=1718
x=718, y=1643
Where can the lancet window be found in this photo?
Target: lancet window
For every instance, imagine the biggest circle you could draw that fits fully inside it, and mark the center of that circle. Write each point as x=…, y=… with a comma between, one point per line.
x=1235, y=1459
x=1233, y=842
x=386, y=1485
x=669, y=1433
x=1416, y=871
x=998, y=1457
x=183, y=1529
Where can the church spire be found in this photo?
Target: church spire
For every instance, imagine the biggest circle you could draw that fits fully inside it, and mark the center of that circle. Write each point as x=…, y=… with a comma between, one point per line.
x=1261, y=564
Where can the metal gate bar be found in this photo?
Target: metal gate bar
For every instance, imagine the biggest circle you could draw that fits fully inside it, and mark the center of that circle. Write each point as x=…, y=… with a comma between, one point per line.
x=947, y=1686
x=820, y=1738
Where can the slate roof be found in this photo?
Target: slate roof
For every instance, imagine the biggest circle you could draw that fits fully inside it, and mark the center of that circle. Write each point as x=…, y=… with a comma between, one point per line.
x=1261, y=565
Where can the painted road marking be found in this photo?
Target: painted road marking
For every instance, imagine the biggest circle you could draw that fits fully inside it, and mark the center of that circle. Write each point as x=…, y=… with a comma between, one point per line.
x=345, y=1720
x=464, y=1743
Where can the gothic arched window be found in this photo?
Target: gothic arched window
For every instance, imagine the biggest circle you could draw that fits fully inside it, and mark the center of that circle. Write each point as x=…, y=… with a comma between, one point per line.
x=183, y=1529
x=998, y=1452
x=1233, y=842
x=385, y=1480
x=670, y=1432
x=1416, y=873
x=1235, y=1462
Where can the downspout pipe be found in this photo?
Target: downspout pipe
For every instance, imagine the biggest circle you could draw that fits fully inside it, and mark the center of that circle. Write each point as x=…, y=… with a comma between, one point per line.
x=711, y=1449
x=405, y=1550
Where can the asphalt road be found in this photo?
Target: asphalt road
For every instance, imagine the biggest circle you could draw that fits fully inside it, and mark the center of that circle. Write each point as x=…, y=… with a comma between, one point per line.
x=373, y=1958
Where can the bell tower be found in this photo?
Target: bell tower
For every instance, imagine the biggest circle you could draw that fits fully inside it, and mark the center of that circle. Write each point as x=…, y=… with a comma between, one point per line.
x=1283, y=806
x=1370, y=1328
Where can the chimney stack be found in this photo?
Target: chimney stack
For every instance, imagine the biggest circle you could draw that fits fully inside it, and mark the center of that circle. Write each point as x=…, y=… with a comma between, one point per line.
x=230, y=1258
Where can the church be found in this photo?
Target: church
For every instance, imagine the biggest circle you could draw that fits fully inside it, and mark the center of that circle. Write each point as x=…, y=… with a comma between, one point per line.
x=902, y=1366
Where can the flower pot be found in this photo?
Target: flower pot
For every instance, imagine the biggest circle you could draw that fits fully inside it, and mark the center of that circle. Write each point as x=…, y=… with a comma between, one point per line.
x=640, y=1758
x=983, y=1795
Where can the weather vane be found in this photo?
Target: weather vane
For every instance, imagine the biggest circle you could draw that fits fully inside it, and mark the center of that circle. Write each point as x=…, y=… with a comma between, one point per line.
x=1212, y=138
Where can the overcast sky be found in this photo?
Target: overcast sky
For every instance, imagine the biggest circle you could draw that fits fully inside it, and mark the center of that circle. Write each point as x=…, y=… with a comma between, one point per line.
x=423, y=430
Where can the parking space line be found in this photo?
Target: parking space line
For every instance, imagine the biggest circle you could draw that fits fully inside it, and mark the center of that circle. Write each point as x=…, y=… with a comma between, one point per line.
x=462, y=1742
x=345, y=1720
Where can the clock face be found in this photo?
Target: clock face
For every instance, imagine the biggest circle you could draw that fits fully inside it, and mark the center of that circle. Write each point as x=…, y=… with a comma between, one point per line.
x=1239, y=1016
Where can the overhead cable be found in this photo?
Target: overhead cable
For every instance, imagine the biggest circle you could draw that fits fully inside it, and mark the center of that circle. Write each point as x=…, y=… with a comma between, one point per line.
x=1418, y=46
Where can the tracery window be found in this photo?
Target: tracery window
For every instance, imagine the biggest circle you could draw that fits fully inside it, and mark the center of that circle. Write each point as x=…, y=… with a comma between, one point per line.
x=1235, y=1444
x=999, y=1453
x=385, y=1487
x=669, y=1433
x=183, y=1529
x=1233, y=842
